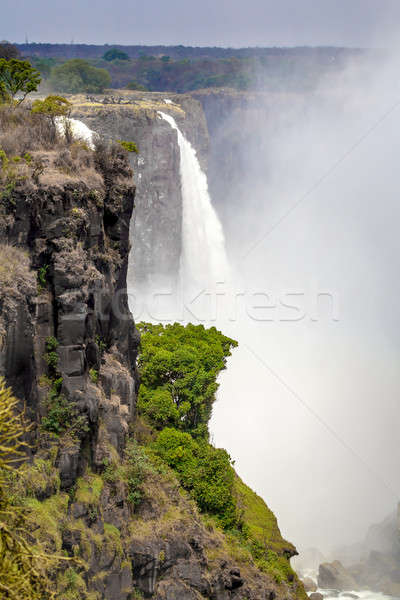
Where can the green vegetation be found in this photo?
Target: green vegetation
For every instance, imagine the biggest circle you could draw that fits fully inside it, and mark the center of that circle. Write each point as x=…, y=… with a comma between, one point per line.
x=21, y=565
x=52, y=107
x=179, y=367
x=12, y=172
x=204, y=471
x=137, y=468
x=62, y=415
x=42, y=277
x=115, y=54
x=77, y=75
x=134, y=470
x=88, y=489
x=51, y=356
x=94, y=375
x=17, y=77
x=129, y=146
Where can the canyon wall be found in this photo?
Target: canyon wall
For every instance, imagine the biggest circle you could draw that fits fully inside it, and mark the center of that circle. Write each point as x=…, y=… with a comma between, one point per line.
x=68, y=348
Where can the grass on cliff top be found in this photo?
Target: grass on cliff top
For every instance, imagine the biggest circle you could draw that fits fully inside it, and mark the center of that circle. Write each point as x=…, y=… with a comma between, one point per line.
x=33, y=151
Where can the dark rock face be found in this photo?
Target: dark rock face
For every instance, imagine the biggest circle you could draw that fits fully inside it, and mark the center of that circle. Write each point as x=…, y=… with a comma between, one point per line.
x=156, y=228
x=82, y=305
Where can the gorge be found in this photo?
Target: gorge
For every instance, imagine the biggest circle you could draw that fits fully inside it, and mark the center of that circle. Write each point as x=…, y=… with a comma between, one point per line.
x=94, y=490
x=72, y=228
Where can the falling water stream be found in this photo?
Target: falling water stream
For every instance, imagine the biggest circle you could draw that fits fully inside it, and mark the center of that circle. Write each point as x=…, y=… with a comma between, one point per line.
x=203, y=261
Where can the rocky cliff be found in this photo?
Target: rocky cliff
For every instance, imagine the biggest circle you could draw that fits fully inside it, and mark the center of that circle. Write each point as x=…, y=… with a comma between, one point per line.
x=133, y=116
x=68, y=348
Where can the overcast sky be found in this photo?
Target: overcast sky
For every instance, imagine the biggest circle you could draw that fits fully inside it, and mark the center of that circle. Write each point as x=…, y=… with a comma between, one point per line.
x=200, y=22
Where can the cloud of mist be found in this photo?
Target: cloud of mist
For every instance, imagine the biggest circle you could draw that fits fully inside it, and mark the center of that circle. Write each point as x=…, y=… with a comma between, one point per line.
x=310, y=408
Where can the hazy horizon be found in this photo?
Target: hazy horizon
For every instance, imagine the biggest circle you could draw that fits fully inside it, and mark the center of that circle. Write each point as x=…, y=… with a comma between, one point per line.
x=210, y=23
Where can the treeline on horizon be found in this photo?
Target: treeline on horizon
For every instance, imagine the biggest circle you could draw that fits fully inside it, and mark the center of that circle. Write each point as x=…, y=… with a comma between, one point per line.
x=67, y=51
x=183, y=69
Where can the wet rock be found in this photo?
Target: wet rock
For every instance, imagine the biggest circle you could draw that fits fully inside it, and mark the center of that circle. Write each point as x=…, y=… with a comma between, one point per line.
x=335, y=576
x=309, y=584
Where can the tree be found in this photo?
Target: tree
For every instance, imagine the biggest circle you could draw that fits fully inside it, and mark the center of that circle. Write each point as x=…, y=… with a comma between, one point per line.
x=179, y=367
x=115, y=54
x=52, y=107
x=77, y=75
x=17, y=77
x=8, y=50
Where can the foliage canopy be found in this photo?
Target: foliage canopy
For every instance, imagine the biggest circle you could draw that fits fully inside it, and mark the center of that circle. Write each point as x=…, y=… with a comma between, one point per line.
x=115, y=54
x=17, y=77
x=77, y=75
x=179, y=368
x=52, y=107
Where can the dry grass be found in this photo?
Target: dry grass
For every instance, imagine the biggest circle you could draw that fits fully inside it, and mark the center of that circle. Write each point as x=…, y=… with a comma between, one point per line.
x=15, y=271
x=52, y=158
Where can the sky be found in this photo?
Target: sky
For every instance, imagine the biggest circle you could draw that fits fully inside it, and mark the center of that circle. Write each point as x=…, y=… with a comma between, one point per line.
x=231, y=23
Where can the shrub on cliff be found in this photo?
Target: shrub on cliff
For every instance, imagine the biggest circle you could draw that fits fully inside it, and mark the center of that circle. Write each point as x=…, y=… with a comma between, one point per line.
x=204, y=471
x=179, y=368
x=77, y=75
x=52, y=107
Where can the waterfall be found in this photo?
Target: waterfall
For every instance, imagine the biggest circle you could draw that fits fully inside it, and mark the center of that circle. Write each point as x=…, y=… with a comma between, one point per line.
x=79, y=130
x=203, y=261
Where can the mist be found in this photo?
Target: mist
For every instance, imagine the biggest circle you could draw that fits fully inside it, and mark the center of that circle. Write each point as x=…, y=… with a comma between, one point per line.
x=308, y=406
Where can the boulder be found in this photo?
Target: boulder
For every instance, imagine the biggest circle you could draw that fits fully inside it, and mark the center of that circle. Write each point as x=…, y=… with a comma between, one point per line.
x=309, y=584
x=316, y=596
x=335, y=576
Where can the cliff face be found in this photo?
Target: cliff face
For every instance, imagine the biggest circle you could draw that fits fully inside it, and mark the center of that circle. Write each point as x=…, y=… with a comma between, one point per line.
x=68, y=347
x=244, y=129
x=156, y=228
x=70, y=306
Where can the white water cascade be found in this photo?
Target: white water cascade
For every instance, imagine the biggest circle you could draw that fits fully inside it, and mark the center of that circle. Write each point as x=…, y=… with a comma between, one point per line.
x=203, y=261
x=79, y=130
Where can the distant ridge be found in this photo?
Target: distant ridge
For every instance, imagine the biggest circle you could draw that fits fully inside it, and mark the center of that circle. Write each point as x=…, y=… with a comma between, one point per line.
x=46, y=50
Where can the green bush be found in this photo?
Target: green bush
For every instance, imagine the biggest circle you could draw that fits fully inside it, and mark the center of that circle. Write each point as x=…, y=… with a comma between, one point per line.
x=51, y=356
x=129, y=146
x=52, y=107
x=137, y=467
x=94, y=375
x=77, y=76
x=206, y=472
